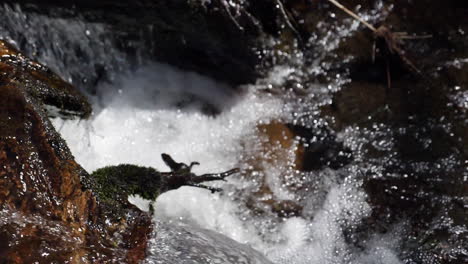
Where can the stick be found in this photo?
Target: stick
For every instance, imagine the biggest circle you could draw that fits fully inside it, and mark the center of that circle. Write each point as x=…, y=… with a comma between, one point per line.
x=215, y=176
x=351, y=13
x=288, y=22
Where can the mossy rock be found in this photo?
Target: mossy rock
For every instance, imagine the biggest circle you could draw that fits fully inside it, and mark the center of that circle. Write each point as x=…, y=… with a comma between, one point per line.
x=117, y=182
x=113, y=184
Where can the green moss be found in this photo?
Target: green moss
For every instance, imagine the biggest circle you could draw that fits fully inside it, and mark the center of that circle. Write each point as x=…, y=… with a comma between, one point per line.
x=125, y=179
x=113, y=184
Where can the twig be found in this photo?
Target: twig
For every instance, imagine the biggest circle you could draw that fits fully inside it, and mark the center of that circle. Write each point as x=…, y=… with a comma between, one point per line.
x=228, y=11
x=354, y=15
x=405, y=36
x=288, y=21
x=393, y=40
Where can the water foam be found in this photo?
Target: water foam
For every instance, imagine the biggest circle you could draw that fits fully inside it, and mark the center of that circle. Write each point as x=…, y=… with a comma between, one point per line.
x=137, y=122
x=138, y=118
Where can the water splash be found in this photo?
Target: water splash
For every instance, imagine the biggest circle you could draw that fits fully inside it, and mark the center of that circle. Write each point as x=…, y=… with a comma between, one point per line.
x=156, y=109
x=82, y=53
x=142, y=118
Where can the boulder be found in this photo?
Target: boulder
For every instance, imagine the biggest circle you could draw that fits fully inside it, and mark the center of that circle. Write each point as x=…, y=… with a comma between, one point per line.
x=51, y=209
x=48, y=213
x=227, y=40
x=279, y=148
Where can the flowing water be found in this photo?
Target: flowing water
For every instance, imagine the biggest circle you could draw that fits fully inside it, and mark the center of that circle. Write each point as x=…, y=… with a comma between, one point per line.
x=144, y=108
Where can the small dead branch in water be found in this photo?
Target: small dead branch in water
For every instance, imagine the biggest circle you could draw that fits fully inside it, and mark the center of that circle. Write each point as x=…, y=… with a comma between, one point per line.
x=354, y=15
x=394, y=40
x=287, y=19
x=181, y=174
x=231, y=16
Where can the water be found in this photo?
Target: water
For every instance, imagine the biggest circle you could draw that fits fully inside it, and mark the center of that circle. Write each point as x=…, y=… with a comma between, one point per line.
x=190, y=244
x=82, y=53
x=139, y=117
x=144, y=109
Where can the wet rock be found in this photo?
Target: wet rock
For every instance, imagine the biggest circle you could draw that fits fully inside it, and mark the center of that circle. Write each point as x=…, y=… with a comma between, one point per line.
x=187, y=244
x=417, y=115
x=289, y=149
x=280, y=149
x=409, y=109
x=38, y=81
x=322, y=149
x=280, y=145
x=48, y=214
x=226, y=40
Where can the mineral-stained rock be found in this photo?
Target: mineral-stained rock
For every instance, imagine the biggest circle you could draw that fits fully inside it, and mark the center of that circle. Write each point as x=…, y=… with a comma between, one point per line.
x=288, y=148
x=280, y=149
x=280, y=145
x=47, y=214
x=51, y=209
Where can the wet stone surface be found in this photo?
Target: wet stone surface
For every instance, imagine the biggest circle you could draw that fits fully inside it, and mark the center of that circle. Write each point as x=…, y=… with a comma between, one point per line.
x=227, y=40
x=48, y=213
x=179, y=243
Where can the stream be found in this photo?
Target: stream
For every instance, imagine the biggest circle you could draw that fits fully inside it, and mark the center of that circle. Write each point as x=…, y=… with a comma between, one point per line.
x=143, y=108
x=123, y=131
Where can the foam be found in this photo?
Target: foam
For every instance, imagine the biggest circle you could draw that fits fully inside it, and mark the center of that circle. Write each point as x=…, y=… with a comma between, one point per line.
x=136, y=121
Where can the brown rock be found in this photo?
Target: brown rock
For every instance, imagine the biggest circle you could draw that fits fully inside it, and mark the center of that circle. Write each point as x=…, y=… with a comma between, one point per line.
x=280, y=145
x=279, y=148
x=47, y=212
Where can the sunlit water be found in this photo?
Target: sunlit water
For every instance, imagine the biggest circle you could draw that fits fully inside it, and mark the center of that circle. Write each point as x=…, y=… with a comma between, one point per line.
x=157, y=108
x=138, y=119
x=143, y=109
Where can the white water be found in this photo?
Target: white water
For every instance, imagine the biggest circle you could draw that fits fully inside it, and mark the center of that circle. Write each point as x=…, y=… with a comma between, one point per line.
x=137, y=120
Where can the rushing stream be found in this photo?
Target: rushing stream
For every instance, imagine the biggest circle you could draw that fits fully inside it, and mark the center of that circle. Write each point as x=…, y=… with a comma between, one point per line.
x=143, y=108
x=127, y=130
x=136, y=122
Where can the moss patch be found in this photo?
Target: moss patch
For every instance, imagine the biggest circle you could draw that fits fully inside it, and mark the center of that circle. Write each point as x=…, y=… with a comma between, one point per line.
x=113, y=185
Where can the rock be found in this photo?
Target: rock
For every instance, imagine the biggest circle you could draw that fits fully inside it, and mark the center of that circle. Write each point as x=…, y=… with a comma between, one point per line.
x=409, y=108
x=227, y=40
x=280, y=145
x=280, y=149
x=39, y=82
x=48, y=214
x=51, y=210
x=288, y=149
x=420, y=116
x=187, y=244
x=322, y=149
